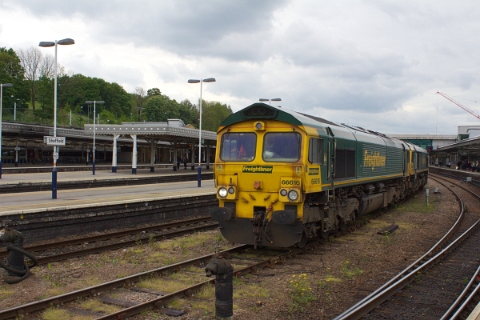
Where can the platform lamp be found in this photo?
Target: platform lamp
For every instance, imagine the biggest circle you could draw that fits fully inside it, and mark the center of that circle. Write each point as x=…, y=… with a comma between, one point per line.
x=94, y=132
x=270, y=100
x=6, y=85
x=63, y=42
x=199, y=176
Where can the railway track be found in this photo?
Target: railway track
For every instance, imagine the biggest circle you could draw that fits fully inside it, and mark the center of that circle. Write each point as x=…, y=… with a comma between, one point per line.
x=67, y=249
x=429, y=287
x=189, y=275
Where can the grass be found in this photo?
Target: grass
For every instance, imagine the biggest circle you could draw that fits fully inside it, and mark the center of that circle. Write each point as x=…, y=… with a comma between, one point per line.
x=160, y=284
x=251, y=290
x=206, y=292
x=387, y=239
x=419, y=204
x=98, y=306
x=203, y=309
x=162, y=257
x=5, y=292
x=349, y=271
x=55, y=314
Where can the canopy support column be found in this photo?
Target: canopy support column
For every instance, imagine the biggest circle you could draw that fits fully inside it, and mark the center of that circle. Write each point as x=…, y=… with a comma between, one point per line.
x=134, y=154
x=114, y=153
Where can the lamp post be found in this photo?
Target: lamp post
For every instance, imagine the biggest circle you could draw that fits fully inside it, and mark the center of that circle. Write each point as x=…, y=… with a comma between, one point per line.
x=66, y=41
x=15, y=109
x=94, y=132
x=269, y=100
x=6, y=85
x=199, y=176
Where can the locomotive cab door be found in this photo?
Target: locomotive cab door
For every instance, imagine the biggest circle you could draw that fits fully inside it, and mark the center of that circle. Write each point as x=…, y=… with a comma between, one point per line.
x=327, y=163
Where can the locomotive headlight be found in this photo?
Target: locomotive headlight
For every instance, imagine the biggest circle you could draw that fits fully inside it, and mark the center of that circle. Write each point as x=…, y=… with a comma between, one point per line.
x=231, y=190
x=293, y=195
x=283, y=192
x=222, y=192
x=259, y=125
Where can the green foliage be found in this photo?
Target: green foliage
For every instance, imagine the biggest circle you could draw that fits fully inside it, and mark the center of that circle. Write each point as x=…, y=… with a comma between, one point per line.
x=160, y=108
x=12, y=72
x=213, y=114
x=349, y=271
x=36, y=95
x=154, y=92
x=300, y=293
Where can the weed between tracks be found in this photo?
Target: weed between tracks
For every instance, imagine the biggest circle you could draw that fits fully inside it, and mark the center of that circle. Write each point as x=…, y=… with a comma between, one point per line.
x=300, y=293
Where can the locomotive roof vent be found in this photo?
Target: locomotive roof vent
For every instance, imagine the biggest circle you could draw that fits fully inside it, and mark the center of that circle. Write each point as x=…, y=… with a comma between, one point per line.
x=260, y=110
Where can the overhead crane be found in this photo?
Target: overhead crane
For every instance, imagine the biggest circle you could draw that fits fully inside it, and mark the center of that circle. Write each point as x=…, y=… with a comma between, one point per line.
x=458, y=104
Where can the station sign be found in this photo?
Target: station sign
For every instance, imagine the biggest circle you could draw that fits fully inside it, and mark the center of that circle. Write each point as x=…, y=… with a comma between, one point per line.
x=54, y=141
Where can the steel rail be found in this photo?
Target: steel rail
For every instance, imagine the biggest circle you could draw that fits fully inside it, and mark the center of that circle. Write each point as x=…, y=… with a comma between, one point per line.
x=123, y=244
x=159, y=302
x=107, y=236
x=411, y=268
x=395, y=284
x=362, y=309
x=22, y=310
x=462, y=302
x=95, y=290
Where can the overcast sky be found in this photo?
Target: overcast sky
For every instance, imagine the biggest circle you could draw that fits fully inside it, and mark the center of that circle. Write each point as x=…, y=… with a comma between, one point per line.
x=375, y=64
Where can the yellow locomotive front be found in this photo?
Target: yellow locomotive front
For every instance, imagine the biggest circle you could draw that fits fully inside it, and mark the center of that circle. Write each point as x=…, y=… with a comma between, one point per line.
x=259, y=177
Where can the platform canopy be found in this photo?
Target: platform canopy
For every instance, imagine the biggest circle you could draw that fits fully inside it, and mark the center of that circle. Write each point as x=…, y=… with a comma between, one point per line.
x=171, y=131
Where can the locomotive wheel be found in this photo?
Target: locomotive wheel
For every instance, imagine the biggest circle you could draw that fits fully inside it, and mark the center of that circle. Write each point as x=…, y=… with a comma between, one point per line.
x=324, y=234
x=303, y=241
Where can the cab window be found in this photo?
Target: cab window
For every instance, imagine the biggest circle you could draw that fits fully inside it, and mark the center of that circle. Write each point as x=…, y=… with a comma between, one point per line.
x=281, y=147
x=238, y=146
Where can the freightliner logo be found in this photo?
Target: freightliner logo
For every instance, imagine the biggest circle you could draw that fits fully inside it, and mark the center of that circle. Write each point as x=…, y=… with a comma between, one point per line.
x=257, y=169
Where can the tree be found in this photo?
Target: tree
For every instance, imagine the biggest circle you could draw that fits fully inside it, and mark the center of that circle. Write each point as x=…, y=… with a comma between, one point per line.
x=160, y=108
x=139, y=97
x=11, y=71
x=188, y=113
x=153, y=92
x=31, y=59
x=213, y=114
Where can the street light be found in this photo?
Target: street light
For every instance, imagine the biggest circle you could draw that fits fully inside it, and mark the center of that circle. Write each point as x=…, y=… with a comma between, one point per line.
x=199, y=177
x=6, y=85
x=93, y=153
x=269, y=100
x=66, y=41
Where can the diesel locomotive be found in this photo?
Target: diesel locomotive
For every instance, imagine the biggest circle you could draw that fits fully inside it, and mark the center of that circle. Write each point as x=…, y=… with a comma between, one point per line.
x=284, y=177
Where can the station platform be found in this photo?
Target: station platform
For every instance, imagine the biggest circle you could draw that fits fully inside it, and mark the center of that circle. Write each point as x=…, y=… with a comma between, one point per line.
x=69, y=173
x=9, y=168
x=457, y=172
x=41, y=201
